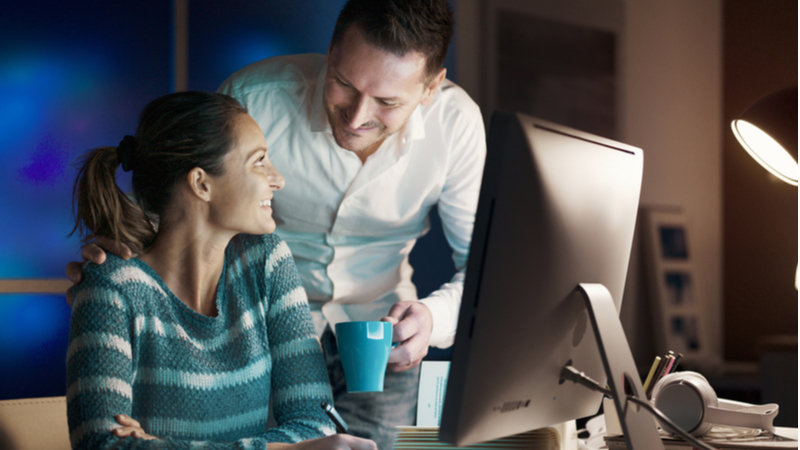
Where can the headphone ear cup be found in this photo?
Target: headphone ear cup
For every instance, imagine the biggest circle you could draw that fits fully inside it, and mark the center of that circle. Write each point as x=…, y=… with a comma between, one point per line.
x=689, y=400
x=684, y=397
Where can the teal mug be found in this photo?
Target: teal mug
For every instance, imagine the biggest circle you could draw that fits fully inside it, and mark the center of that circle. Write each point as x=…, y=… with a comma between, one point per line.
x=364, y=350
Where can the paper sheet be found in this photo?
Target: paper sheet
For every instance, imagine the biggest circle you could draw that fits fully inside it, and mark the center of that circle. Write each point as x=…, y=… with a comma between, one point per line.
x=432, y=387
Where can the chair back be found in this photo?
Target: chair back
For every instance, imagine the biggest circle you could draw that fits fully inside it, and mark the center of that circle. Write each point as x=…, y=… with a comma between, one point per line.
x=34, y=424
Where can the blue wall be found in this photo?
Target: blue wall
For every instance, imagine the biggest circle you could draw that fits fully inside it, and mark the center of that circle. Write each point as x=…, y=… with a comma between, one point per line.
x=74, y=76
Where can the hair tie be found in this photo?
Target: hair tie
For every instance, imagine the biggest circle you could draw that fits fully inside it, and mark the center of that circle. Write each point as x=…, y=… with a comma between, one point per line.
x=125, y=151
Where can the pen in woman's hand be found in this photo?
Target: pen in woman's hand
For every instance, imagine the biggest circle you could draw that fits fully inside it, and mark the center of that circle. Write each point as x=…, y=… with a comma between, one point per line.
x=341, y=427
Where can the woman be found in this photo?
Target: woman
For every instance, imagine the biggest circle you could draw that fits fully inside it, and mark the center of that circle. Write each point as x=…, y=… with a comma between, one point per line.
x=183, y=346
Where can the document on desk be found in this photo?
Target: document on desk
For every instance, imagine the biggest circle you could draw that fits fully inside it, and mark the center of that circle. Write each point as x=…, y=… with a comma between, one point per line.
x=427, y=438
x=786, y=439
x=432, y=387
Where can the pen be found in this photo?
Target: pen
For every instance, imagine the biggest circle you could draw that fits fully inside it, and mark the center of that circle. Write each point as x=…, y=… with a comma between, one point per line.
x=666, y=363
x=656, y=376
x=341, y=427
x=652, y=373
x=668, y=369
x=661, y=371
x=675, y=364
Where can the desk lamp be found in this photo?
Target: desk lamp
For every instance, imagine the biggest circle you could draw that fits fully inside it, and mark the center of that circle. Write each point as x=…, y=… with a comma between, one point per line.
x=768, y=131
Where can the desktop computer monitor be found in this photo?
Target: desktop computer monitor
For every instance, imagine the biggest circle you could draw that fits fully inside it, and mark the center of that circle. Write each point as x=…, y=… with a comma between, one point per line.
x=557, y=208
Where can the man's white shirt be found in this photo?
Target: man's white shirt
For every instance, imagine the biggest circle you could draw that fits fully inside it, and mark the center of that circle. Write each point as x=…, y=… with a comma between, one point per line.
x=350, y=227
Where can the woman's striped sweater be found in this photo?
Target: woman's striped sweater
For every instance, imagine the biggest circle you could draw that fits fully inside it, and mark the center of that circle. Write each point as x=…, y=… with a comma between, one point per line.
x=191, y=380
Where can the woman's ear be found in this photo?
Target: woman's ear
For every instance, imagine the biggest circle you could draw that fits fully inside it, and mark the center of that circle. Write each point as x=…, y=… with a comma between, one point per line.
x=199, y=183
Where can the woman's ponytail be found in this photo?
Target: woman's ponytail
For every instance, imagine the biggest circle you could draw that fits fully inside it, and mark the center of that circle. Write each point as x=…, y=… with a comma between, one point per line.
x=102, y=209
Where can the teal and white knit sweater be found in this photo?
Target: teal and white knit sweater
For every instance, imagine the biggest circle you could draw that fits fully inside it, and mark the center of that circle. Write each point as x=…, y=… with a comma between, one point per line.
x=191, y=380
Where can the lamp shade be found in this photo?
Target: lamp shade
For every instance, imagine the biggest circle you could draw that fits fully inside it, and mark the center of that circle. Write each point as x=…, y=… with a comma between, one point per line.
x=768, y=131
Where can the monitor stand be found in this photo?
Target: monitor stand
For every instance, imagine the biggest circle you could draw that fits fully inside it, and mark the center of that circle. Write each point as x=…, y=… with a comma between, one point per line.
x=638, y=425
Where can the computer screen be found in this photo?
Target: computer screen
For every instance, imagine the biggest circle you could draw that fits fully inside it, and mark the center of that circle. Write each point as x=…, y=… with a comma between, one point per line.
x=557, y=208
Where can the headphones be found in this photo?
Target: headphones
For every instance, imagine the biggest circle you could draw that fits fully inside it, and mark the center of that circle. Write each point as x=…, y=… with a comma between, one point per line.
x=689, y=401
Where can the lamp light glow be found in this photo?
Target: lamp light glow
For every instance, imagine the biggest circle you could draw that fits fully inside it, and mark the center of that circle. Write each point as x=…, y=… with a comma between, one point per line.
x=768, y=131
x=766, y=150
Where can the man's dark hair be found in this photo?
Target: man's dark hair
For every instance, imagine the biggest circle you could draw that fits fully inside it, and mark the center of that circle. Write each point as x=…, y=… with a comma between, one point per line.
x=400, y=26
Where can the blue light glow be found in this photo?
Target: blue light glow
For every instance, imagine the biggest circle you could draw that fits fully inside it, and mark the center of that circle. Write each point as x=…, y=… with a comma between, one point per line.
x=26, y=84
x=72, y=78
x=34, y=333
x=18, y=118
x=55, y=112
x=47, y=165
x=248, y=49
x=32, y=323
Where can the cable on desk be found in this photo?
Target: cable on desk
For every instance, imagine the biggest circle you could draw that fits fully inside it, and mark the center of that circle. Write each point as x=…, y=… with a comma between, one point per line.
x=570, y=373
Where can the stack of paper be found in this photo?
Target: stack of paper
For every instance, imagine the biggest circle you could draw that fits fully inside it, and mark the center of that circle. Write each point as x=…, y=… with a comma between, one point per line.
x=784, y=438
x=419, y=438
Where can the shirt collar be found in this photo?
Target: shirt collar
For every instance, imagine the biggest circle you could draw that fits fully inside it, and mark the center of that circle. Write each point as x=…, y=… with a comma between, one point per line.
x=415, y=127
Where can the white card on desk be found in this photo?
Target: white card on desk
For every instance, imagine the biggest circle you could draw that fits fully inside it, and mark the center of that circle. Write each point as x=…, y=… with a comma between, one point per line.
x=432, y=386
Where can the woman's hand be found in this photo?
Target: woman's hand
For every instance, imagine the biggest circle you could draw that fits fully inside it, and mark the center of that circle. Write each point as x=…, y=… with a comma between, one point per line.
x=130, y=428
x=335, y=442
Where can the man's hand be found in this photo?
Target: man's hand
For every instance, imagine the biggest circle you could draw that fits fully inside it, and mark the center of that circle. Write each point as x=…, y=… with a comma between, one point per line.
x=413, y=323
x=335, y=442
x=130, y=428
x=96, y=253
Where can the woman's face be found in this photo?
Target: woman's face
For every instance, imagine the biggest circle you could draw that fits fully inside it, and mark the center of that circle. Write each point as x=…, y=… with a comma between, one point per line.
x=242, y=196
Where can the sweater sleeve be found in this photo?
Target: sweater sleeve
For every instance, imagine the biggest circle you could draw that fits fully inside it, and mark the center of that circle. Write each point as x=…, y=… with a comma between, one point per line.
x=299, y=377
x=99, y=361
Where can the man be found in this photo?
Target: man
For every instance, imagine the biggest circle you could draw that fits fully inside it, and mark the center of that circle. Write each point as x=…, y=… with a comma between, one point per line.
x=369, y=137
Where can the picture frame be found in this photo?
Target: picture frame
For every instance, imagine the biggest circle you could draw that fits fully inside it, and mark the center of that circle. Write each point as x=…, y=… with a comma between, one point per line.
x=674, y=289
